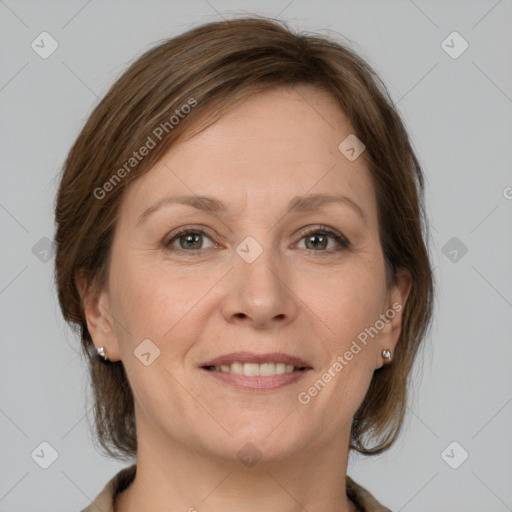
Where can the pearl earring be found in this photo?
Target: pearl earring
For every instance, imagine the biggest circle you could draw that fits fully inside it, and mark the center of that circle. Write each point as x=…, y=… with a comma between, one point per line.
x=386, y=354
x=102, y=352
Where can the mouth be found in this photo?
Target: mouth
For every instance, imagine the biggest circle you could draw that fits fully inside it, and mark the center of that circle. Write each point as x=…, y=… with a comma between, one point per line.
x=267, y=369
x=248, y=371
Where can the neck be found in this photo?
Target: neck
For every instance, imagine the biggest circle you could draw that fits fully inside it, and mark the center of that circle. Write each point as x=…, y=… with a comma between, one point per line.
x=171, y=477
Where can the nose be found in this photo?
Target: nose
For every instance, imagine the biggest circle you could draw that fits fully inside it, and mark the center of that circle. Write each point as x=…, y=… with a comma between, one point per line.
x=260, y=293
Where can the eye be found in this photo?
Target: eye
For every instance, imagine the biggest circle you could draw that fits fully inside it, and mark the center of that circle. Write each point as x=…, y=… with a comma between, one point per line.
x=187, y=239
x=317, y=240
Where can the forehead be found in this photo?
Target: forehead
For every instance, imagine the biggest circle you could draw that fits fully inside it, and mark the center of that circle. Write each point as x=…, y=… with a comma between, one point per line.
x=273, y=146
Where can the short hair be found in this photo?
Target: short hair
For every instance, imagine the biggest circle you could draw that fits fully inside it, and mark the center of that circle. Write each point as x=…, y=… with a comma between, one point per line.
x=196, y=77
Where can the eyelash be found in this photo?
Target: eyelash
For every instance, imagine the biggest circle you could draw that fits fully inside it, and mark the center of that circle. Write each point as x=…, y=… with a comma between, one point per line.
x=322, y=230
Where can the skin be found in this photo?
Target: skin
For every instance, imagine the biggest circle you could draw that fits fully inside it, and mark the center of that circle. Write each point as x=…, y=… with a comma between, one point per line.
x=307, y=300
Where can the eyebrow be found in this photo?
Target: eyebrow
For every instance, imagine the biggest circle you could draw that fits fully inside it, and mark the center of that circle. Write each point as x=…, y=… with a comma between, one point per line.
x=296, y=205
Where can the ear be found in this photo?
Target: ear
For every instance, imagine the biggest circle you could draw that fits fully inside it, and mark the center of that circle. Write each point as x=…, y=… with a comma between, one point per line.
x=392, y=314
x=100, y=322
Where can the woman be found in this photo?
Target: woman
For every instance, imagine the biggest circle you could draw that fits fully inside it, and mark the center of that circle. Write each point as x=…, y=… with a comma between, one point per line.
x=241, y=243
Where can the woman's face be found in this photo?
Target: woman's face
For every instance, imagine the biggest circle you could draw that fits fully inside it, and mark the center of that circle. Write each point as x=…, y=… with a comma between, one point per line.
x=281, y=265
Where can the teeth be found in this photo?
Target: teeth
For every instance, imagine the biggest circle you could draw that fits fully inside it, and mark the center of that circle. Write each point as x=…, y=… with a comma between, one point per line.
x=251, y=369
x=280, y=368
x=255, y=369
x=236, y=368
x=267, y=369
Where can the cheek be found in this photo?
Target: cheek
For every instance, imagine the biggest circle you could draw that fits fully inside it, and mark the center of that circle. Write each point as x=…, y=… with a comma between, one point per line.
x=151, y=301
x=140, y=297
x=348, y=307
x=348, y=302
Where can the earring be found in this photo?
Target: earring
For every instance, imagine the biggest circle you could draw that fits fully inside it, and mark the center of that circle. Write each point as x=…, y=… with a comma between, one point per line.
x=102, y=352
x=386, y=354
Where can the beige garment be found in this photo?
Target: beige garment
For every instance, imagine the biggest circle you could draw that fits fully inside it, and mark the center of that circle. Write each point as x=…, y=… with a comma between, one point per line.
x=104, y=502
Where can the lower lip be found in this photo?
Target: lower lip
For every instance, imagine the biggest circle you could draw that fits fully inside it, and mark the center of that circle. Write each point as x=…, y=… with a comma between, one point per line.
x=258, y=383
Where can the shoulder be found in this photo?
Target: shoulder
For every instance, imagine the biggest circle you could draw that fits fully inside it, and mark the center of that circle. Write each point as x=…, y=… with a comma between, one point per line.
x=363, y=499
x=105, y=499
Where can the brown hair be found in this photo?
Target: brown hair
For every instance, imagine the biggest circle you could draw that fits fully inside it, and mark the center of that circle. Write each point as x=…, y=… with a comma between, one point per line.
x=212, y=68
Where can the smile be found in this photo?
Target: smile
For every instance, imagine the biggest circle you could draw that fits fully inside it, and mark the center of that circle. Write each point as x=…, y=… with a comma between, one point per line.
x=248, y=371
x=254, y=369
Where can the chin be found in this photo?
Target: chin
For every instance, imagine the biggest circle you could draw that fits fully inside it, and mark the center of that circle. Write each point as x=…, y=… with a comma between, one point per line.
x=259, y=442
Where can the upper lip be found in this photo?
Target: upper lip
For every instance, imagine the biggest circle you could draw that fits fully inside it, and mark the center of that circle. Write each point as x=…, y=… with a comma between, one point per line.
x=250, y=357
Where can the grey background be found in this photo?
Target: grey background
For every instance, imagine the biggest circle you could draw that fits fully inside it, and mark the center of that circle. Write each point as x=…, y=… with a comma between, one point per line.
x=458, y=112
